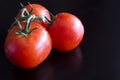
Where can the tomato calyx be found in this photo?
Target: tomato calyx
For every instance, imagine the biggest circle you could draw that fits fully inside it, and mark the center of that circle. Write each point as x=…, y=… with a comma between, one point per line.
x=25, y=30
x=25, y=14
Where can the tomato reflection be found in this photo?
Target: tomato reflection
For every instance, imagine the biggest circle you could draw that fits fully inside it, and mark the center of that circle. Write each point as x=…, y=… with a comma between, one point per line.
x=58, y=63
x=43, y=72
x=67, y=61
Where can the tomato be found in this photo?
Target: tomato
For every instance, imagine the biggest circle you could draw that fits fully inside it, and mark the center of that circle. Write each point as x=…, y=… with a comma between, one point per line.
x=66, y=31
x=29, y=51
x=38, y=10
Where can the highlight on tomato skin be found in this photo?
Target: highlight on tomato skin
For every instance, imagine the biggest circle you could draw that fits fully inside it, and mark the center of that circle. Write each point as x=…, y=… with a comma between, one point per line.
x=28, y=51
x=66, y=31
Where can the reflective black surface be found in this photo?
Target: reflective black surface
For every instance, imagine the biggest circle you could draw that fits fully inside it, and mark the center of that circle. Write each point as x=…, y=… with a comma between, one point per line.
x=96, y=58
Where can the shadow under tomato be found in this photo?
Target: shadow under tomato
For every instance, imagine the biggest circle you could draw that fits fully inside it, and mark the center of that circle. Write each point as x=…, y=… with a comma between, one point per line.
x=66, y=62
x=43, y=72
x=58, y=63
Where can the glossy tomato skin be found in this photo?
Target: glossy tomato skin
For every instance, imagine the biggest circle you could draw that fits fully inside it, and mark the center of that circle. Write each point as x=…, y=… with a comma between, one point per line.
x=66, y=31
x=30, y=51
x=39, y=10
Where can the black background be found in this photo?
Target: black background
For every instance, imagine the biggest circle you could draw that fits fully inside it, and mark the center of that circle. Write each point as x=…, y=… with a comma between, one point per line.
x=96, y=58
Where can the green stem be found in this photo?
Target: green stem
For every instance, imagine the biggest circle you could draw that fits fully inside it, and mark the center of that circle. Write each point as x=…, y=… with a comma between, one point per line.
x=27, y=27
x=52, y=16
x=24, y=18
x=21, y=33
x=24, y=10
x=39, y=18
x=26, y=30
x=30, y=12
x=18, y=22
x=15, y=22
x=22, y=5
x=48, y=21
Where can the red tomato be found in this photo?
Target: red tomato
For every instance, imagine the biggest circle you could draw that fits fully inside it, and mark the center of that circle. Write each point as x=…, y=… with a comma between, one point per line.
x=29, y=51
x=66, y=31
x=39, y=10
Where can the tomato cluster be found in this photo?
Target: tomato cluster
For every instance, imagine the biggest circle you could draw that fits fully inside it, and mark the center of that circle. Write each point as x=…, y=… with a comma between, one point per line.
x=35, y=31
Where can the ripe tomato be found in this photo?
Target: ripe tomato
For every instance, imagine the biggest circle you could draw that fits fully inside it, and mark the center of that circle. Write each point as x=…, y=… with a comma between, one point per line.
x=29, y=51
x=38, y=10
x=66, y=31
